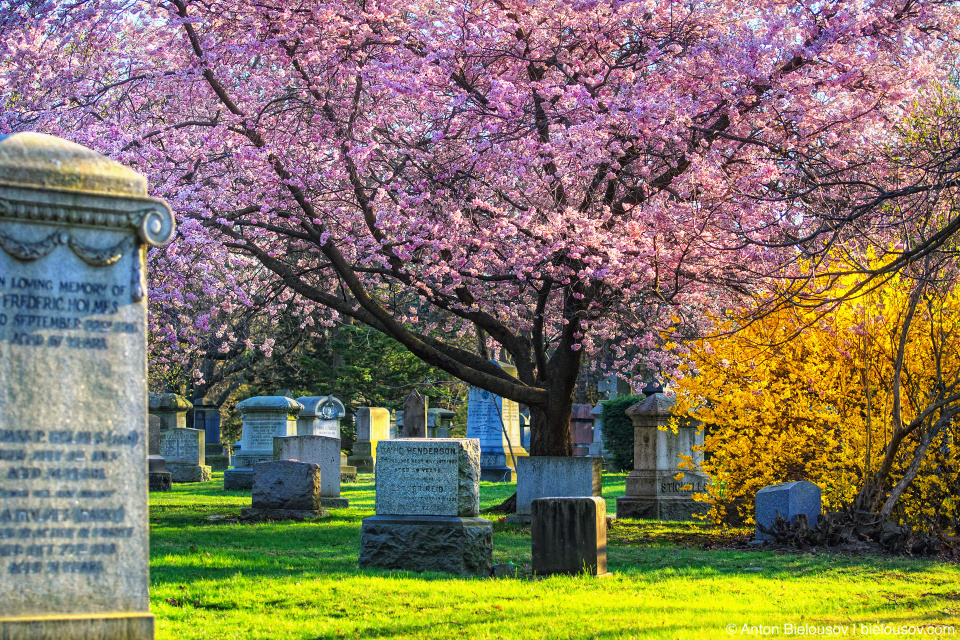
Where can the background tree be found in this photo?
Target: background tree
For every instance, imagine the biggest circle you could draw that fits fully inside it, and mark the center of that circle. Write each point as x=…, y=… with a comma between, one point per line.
x=547, y=176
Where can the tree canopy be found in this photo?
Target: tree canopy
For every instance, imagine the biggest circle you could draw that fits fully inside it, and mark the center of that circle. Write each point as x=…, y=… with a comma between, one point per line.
x=547, y=176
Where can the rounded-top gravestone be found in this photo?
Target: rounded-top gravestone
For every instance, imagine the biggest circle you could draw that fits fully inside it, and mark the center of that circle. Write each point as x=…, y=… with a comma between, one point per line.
x=73, y=481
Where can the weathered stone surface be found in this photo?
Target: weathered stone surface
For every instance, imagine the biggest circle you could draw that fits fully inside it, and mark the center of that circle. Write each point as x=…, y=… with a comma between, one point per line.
x=205, y=416
x=319, y=450
x=556, y=477
x=334, y=503
x=415, y=415
x=656, y=461
x=238, y=479
x=286, y=484
x=788, y=499
x=154, y=427
x=189, y=472
x=373, y=425
x=156, y=464
x=171, y=409
x=182, y=446
x=265, y=417
x=73, y=396
x=255, y=514
x=449, y=544
x=495, y=422
x=320, y=416
x=218, y=462
x=569, y=536
x=504, y=570
x=160, y=481
x=348, y=474
x=422, y=476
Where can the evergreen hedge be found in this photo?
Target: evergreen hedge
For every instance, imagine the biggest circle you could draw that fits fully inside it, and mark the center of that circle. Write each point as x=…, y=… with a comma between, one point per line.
x=618, y=431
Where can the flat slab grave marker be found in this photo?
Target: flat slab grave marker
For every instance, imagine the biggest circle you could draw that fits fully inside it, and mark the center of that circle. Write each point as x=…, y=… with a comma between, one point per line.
x=427, y=505
x=73, y=393
x=321, y=451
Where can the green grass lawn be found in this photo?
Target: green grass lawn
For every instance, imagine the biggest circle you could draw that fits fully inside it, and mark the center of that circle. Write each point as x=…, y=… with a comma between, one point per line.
x=212, y=577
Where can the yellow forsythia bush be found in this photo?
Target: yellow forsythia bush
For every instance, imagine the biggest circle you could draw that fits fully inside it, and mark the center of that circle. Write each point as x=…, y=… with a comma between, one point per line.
x=805, y=395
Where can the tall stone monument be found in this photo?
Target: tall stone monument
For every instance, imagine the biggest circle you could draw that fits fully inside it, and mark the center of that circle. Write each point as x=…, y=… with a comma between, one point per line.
x=263, y=418
x=415, y=408
x=428, y=503
x=373, y=425
x=73, y=313
x=495, y=422
x=320, y=416
x=652, y=490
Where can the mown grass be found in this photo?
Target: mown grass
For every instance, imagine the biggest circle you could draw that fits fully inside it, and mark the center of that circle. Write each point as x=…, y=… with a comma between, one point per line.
x=213, y=577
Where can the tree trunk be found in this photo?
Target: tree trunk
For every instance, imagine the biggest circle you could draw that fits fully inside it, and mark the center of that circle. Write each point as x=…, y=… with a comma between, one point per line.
x=550, y=424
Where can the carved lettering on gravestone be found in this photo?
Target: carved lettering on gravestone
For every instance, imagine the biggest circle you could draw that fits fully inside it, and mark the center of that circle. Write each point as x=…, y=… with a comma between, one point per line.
x=73, y=398
x=180, y=447
x=261, y=432
x=416, y=478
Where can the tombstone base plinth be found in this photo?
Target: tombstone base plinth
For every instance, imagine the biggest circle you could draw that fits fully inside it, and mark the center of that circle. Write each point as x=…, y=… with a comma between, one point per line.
x=519, y=519
x=361, y=464
x=238, y=479
x=189, y=472
x=129, y=626
x=334, y=503
x=496, y=474
x=159, y=481
x=448, y=544
x=660, y=508
x=254, y=514
x=348, y=474
x=248, y=460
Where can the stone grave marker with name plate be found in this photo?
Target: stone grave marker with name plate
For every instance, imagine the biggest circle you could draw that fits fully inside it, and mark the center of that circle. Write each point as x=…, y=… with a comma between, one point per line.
x=495, y=421
x=73, y=394
x=320, y=416
x=263, y=418
x=427, y=503
x=183, y=450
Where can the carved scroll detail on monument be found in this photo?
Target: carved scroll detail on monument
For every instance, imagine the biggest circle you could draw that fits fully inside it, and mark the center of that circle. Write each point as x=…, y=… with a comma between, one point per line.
x=155, y=226
x=29, y=251
x=97, y=257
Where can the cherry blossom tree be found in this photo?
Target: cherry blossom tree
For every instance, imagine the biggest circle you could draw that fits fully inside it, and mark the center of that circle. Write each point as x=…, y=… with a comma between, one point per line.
x=547, y=177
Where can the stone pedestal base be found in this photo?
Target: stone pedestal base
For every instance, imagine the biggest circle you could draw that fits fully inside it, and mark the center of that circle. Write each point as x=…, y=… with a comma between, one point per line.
x=129, y=626
x=660, y=508
x=248, y=460
x=427, y=543
x=189, y=472
x=159, y=481
x=334, y=503
x=348, y=474
x=496, y=474
x=238, y=479
x=251, y=513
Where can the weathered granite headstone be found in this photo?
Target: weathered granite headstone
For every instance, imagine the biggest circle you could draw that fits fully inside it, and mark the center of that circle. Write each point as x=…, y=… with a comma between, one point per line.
x=427, y=503
x=263, y=418
x=285, y=490
x=652, y=490
x=787, y=499
x=320, y=416
x=205, y=416
x=555, y=477
x=347, y=473
x=596, y=447
x=415, y=415
x=569, y=536
x=73, y=394
x=160, y=478
x=184, y=453
x=495, y=422
x=322, y=451
x=171, y=409
x=373, y=425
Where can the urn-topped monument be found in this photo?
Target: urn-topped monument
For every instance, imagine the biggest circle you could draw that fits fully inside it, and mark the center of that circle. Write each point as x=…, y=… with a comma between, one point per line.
x=74, y=227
